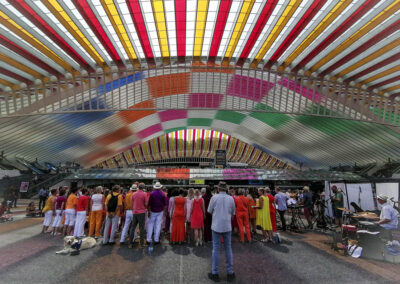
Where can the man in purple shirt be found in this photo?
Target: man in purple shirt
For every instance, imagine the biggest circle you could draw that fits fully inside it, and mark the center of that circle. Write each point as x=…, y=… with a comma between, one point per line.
x=157, y=203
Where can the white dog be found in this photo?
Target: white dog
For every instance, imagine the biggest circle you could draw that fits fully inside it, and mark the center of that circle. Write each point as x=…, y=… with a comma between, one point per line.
x=73, y=245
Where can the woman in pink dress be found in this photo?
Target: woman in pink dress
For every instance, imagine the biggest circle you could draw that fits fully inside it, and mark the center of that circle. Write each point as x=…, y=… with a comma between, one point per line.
x=197, y=217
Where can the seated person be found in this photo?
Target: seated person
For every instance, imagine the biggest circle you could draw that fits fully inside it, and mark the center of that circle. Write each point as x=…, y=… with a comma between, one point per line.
x=31, y=210
x=3, y=210
x=389, y=218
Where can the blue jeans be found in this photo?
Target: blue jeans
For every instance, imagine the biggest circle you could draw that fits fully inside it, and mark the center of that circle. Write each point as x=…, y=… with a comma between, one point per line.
x=216, y=238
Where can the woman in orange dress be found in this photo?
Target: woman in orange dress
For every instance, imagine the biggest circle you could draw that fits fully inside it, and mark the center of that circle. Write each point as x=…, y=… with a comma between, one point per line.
x=252, y=213
x=178, y=233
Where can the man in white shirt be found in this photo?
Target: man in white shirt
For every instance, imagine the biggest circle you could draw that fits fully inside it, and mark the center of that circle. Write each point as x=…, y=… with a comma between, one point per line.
x=389, y=218
x=222, y=207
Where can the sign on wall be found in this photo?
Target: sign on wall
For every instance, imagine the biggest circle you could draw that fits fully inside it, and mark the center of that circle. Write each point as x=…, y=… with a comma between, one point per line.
x=220, y=158
x=24, y=186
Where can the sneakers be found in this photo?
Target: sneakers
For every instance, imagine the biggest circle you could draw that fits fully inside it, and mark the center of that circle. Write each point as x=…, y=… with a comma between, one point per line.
x=231, y=277
x=213, y=277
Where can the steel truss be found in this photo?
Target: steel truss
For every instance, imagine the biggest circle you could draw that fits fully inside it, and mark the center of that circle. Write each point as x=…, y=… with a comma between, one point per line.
x=236, y=89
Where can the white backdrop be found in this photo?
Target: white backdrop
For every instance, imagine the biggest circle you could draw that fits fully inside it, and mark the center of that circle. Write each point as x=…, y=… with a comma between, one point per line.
x=351, y=195
x=360, y=193
x=390, y=189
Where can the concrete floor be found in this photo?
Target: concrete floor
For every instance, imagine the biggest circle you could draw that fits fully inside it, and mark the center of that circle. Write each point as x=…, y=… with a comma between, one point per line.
x=27, y=256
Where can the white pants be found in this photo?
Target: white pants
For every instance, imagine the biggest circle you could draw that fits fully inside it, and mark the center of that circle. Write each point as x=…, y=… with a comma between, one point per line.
x=154, y=224
x=47, y=218
x=114, y=223
x=128, y=221
x=58, y=218
x=69, y=217
x=80, y=223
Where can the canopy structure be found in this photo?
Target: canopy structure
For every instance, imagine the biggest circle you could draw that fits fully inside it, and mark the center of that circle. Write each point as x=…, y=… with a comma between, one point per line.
x=192, y=143
x=307, y=82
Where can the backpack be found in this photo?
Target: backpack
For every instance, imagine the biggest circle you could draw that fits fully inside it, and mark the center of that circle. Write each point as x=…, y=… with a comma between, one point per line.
x=112, y=203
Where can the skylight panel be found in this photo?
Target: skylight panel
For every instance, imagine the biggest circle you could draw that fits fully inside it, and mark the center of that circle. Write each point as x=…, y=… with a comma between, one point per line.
x=72, y=12
x=209, y=30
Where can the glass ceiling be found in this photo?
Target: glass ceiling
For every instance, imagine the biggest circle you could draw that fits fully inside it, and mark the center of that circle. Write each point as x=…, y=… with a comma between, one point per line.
x=354, y=41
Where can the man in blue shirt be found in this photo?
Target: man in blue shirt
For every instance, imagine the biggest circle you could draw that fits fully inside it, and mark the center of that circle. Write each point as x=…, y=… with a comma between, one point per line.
x=281, y=201
x=222, y=207
x=42, y=198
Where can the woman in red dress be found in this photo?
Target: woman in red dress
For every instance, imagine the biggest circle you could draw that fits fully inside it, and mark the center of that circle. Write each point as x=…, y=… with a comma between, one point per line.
x=178, y=233
x=197, y=217
x=272, y=208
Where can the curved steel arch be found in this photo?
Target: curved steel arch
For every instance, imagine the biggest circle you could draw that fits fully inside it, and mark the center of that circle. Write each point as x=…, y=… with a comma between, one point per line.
x=199, y=87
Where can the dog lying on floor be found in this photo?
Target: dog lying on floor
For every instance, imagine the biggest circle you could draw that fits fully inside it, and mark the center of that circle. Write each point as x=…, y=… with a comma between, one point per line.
x=73, y=245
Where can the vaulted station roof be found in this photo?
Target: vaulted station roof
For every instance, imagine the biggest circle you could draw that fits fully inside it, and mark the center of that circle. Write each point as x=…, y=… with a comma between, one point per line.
x=303, y=81
x=354, y=41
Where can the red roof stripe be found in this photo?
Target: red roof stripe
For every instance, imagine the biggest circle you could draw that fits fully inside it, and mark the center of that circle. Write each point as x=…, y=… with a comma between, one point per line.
x=301, y=24
x=368, y=44
x=27, y=55
x=180, y=20
x=87, y=13
x=262, y=20
x=219, y=28
x=374, y=67
x=138, y=21
x=361, y=11
x=15, y=76
x=388, y=81
x=28, y=12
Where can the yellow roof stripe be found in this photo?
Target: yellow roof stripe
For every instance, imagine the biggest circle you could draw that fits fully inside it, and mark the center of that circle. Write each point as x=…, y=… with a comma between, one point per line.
x=393, y=45
x=285, y=17
x=240, y=23
x=159, y=17
x=115, y=20
x=20, y=66
x=393, y=88
x=380, y=75
x=202, y=10
x=67, y=22
x=332, y=15
x=17, y=29
x=389, y=11
x=7, y=83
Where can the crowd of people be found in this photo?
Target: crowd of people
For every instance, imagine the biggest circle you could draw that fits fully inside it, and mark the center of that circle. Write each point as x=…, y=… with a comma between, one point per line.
x=180, y=213
x=194, y=216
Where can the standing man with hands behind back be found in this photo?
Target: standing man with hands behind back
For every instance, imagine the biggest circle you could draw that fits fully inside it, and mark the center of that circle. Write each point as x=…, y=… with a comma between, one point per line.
x=222, y=207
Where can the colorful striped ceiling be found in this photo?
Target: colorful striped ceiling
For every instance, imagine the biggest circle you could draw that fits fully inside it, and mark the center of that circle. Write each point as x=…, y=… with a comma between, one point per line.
x=351, y=41
x=193, y=143
x=93, y=137
x=265, y=46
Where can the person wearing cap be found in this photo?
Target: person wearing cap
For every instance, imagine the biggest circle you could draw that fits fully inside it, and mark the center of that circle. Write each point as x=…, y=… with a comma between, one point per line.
x=128, y=212
x=157, y=204
x=222, y=208
x=389, y=218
